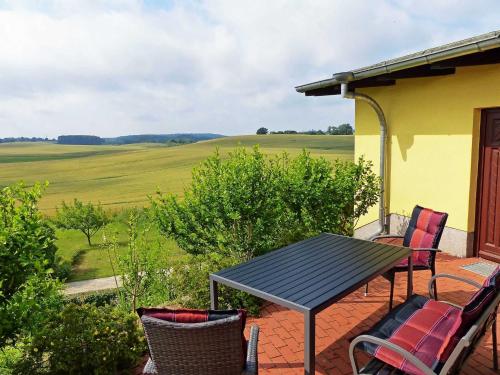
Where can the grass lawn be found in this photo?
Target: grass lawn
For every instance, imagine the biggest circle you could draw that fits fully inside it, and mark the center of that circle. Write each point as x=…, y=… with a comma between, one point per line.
x=94, y=262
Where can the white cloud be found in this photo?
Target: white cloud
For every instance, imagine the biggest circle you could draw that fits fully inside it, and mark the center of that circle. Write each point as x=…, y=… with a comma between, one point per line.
x=121, y=67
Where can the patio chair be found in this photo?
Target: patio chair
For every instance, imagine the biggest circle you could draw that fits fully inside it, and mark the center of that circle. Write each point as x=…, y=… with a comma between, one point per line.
x=214, y=346
x=422, y=236
x=430, y=337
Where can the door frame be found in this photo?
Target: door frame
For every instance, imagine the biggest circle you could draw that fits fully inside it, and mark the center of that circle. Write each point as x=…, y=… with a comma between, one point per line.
x=479, y=183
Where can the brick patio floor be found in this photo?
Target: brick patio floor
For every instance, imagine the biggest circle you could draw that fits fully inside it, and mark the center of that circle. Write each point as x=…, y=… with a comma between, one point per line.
x=281, y=342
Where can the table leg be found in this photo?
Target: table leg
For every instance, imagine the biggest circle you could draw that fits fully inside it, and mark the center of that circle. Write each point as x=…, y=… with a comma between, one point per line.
x=214, y=294
x=409, y=292
x=309, y=343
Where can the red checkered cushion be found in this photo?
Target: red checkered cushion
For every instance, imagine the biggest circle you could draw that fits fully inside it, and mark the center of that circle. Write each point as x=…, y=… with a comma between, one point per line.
x=422, y=335
x=424, y=231
x=196, y=316
x=190, y=315
x=471, y=313
x=482, y=298
x=420, y=326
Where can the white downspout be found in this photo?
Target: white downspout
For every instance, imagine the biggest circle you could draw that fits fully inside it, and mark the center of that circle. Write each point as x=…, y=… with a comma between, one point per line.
x=344, y=89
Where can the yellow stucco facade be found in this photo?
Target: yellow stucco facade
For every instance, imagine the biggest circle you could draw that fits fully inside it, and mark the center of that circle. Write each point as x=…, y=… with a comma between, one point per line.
x=433, y=141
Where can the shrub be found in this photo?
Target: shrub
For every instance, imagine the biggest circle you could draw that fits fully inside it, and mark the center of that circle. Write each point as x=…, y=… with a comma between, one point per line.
x=63, y=269
x=30, y=307
x=326, y=197
x=108, y=297
x=83, y=339
x=250, y=204
x=142, y=282
x=27, y=241
x=10, y=355
x=85, y=217
x=232, y=207
x=190, y=282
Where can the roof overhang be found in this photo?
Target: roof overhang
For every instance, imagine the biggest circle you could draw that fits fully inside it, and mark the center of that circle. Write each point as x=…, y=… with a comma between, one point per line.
x=479, y=50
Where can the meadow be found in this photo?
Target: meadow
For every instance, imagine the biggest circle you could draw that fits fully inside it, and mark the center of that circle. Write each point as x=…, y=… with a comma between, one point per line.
x=124, y=176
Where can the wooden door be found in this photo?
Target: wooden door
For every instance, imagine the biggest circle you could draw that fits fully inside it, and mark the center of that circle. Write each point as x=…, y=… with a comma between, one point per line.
x=489, y=187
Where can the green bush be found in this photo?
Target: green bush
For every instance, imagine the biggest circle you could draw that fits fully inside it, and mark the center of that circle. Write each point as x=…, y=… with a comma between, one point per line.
x=27, y=241
x=232, y=207
x=108, y=297
x=143, y=283
x=27, y=261
x=30, y=307
x=10, y=355
x=327, y=197
x=63, y=269
x=83, y=339
x=190, y=283
x=249, y=204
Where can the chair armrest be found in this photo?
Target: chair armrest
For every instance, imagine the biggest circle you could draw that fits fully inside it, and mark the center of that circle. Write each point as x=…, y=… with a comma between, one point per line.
x=448, y=276
x=389, y=345
x=385, y=236
x=426, y=249
x=252, y=362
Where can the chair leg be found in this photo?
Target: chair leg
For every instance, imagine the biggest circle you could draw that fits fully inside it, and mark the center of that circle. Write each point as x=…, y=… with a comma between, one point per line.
x=494, y=336
x=391, y=297
x=433, y=271
x=366, y=289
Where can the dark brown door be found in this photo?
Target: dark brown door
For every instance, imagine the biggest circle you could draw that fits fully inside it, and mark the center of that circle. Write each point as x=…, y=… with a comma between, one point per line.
x=489, y=187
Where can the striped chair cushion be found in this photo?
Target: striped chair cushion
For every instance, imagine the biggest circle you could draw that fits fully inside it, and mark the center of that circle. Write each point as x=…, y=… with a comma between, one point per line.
x=473, y=309
x=420, y=326
x=424, y=231
x=190, y=315
x=196, y=316
x=471, y=313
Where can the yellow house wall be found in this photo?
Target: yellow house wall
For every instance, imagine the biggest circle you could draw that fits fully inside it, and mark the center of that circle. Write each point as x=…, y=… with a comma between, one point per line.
x=433, y=137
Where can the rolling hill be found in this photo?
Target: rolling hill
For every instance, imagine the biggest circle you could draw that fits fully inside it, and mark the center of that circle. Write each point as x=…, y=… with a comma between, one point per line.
x=124, y=175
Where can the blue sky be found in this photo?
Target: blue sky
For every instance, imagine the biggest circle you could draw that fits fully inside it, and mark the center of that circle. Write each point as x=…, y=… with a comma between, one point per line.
x=224, y=66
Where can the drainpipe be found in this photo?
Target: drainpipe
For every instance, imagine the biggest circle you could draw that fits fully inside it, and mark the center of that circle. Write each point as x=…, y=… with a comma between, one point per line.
x=344, y=89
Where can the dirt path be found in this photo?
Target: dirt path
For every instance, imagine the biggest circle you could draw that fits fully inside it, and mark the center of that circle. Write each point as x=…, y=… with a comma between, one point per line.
x=93, y=285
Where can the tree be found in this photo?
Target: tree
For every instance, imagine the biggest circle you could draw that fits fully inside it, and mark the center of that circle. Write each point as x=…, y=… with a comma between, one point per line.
x=332, y=130
x=262, y=131
x=80, y=140
x=86, y=218
x=345, y=129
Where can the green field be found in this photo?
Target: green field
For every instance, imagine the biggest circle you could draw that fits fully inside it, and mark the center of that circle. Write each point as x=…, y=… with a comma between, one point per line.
x=124, y=176
x=91, y=262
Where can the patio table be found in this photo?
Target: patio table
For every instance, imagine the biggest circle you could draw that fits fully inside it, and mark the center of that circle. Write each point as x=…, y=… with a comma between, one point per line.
x=310, y=275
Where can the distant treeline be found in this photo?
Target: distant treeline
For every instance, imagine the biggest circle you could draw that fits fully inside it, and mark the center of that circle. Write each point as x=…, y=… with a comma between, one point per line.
x=162, y=138
x=25, y=139
x=343, y=129
x=140, y=138
x=80, y=140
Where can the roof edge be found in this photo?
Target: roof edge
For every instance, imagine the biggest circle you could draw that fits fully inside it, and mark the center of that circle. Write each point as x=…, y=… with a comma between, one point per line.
x=472, y=45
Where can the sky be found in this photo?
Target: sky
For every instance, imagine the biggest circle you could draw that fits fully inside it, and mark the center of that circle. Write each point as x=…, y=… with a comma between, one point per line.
x=116, y=67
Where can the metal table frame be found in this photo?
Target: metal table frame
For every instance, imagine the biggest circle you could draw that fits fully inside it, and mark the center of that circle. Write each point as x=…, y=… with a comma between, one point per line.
x=310, y=313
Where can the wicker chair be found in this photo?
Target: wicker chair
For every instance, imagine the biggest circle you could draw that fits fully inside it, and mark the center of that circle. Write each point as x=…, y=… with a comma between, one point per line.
x=423, y=236
x=209, y=348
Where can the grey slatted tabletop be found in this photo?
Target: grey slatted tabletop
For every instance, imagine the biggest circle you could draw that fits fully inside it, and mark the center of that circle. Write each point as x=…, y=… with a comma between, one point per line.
x=310, y=275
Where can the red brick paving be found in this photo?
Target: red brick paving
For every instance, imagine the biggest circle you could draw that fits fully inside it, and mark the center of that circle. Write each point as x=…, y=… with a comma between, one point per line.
x=281, y=342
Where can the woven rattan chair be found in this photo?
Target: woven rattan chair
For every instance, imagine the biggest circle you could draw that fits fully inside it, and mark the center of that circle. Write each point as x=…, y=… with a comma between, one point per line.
x=209, y=348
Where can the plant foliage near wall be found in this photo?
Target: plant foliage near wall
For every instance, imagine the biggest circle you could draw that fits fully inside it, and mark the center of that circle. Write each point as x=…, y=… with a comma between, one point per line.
x=249, y=203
